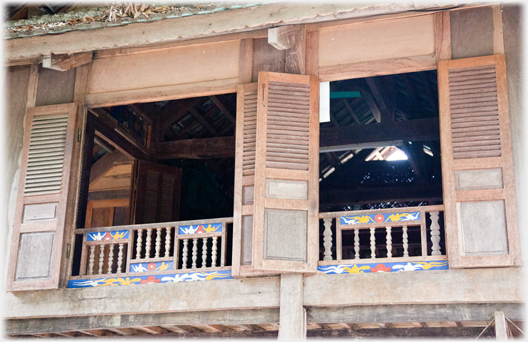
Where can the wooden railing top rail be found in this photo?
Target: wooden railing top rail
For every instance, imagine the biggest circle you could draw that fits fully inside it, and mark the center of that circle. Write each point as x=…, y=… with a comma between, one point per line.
x=424, y=208
x=155, y=225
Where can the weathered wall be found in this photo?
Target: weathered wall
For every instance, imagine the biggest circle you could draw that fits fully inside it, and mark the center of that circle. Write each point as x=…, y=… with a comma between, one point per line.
x=55, y=87
x=472, y=32
x=15, y=99
x=512, y=17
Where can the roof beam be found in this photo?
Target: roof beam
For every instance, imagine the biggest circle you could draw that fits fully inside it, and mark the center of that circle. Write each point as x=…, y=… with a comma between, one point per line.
x=383, y=109
x=206, y=148
x=350, y=137
x=292, y=39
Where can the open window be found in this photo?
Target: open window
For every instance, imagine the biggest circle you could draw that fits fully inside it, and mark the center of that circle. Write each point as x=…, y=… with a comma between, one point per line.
x=149, y=163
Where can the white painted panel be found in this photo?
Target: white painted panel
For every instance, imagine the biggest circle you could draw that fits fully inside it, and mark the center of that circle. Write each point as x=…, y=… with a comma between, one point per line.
x=483, y=227
x=180, y=65
x=38, y=212
x=478, y=179
x=278, y=188
x=372, y=41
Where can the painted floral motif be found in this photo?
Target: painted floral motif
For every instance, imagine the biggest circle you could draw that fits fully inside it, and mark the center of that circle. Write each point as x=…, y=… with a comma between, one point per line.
x=379, y=218
x=380, y=268
x=385, y=267
x=152, y=279
x=152, y=266
x=117, y=235
x=201, y=229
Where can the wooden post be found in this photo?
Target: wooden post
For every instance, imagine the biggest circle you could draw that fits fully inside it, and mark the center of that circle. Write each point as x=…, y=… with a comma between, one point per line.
x=291, y=318
x=501, y=327
x=327, y=238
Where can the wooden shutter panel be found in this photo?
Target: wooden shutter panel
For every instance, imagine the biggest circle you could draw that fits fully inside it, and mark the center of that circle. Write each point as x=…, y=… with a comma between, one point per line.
x=36, y=247
x=286, y=205
x=246, y=131
x=477, y=163
x=157, y=193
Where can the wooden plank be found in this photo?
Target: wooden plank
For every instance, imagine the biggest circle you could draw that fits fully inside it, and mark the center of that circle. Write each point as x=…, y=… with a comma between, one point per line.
x=377, y=68
x=447, y=284
x=291, y=308
x=498, y=36
x=178, y=321
x=246, y=60
x=105, y=163
x=205, y=148
x=66, y=62
x=442, y=35
x=163, y=93
x=374, y=41
x=197, y=63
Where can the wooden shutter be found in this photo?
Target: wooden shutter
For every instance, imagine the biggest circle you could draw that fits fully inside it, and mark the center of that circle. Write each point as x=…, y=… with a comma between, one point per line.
x=246, y=131
x=36, y=247
x=286, y=204
x=477, y=164
x=157, y=193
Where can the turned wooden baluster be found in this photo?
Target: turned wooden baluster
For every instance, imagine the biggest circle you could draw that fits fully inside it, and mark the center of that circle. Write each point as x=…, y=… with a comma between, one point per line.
x=184, y=254
x=327, y=238
x=389, y=242
x=120, y=258
x=213, y=254
x=356, y=243
x=147, y=243
x=435, y=233
x=405, y=242
x=158, y=242
x=110, y=259
x=101, y=258
x=139, y=243
x=194, y=253
x=168, y=231
x=92, y=260
x=372, y=243
x=204, y=252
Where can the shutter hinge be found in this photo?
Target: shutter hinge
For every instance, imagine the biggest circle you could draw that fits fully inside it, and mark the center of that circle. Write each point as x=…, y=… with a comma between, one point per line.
x=79, y=135
x=68, y=248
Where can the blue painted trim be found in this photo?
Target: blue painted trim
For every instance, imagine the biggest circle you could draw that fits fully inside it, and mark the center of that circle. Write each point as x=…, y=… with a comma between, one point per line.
x=385, y=267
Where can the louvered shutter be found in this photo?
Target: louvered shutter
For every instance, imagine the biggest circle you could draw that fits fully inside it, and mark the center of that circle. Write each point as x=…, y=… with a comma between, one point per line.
x=157, y=193
x=246, y=138
x=477, y=163
x=36, y=247
x=286, y=203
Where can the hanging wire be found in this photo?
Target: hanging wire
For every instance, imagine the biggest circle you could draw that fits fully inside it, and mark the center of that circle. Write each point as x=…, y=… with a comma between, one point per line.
x=515, y=326
x=493, y=320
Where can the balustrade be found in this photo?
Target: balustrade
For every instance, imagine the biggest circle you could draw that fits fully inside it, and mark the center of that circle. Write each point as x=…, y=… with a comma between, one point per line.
x=383, y=235
x=153, y=248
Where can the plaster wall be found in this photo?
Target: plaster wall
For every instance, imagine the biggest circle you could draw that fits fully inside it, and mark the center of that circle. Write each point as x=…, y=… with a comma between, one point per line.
x=512, y=16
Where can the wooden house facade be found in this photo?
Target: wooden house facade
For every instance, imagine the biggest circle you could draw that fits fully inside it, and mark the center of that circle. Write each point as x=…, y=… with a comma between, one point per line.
x=122, y=142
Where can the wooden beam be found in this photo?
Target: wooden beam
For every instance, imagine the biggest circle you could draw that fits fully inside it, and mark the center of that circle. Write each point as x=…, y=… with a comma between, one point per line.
x=106, y=130
x=206, y=148
x=283, y=37
x=410, y=130
x=66, y=62
x=382, y=194
x=399, y=333
x=153, y=330
x=292, y=39
x=106, y=162
x=176, y=110
x=409, y=313
x=141, y=113
x=224, y=110
x=501, y=326
x=383, y=106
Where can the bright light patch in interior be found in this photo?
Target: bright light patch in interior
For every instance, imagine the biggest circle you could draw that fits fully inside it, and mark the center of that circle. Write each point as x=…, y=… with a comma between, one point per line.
x=397, y=155
x=324, y=102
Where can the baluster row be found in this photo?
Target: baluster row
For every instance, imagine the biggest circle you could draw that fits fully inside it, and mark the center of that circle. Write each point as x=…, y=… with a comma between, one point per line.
x=205, y=253
x=147, y=246
x=103, y=260
x=434, y=231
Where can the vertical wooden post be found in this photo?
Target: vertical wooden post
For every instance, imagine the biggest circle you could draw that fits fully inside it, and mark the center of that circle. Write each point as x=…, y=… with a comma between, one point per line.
x=501, y=327
x=435, y=233
x=327, y=238
x=356, y=243
x=291, y=319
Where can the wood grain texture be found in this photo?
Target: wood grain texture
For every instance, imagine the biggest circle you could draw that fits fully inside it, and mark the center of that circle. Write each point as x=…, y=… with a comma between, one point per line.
x=469, y=74
x=442, y=36
x=52, y=279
